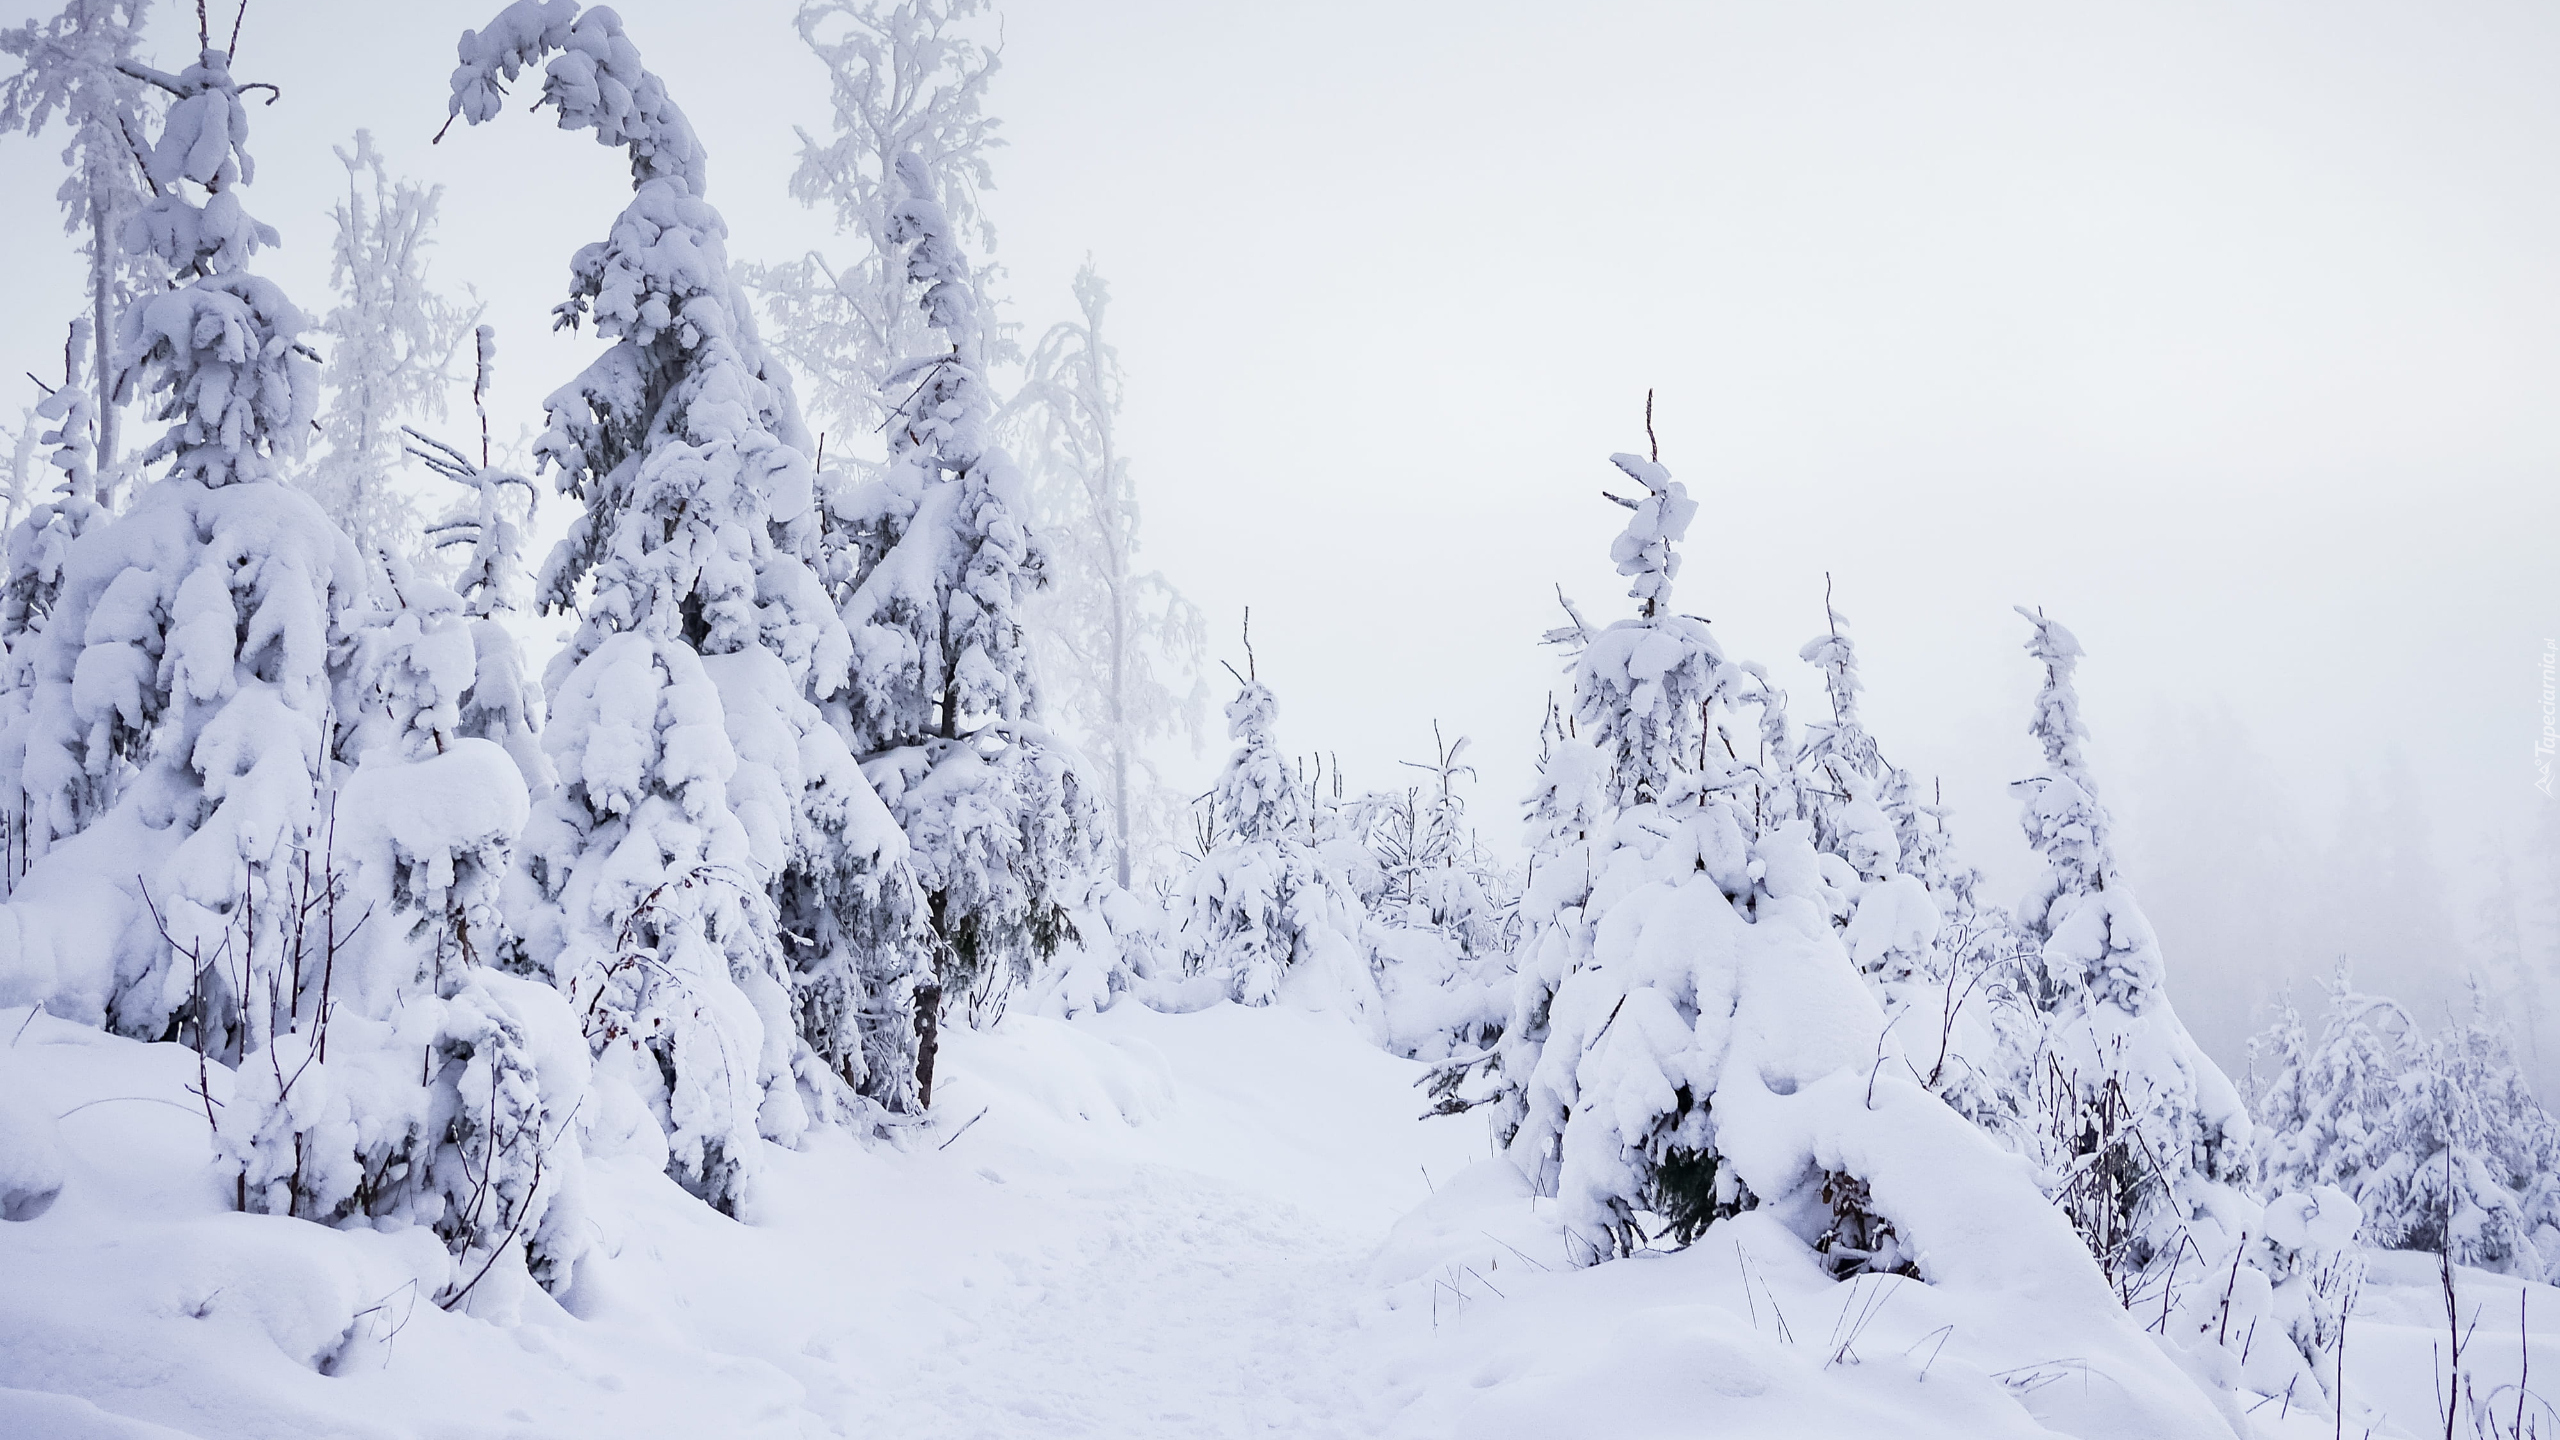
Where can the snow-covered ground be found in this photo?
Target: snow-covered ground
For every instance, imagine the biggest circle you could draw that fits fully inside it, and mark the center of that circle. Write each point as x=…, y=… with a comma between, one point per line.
x=1227, y=1223
x=1137, y=1225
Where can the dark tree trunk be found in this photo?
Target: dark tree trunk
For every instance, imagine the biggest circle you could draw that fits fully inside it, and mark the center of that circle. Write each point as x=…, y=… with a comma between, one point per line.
x=928, y=1039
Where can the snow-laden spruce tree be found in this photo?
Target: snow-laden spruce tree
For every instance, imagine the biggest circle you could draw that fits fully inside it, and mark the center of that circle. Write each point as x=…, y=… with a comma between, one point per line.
x=39, y=545
x=2308, y=1112
x=420, y=1083
x=181, y=678
x=1840, y=776
x=23, y=490
x=2519, y=1139
x=1839, y=781
x=905, y=78
x=387, y=344
x=1566, y=832
x=2327, y=1110
x=1263, y=914
x=41, y=537
x=1595, y=1124
x=712, y=872
x=1118, y=650
x=74, y=66
x=2145, y=1130
x=1940, y=963
x=214, y=690
x=938, y=564
x=1973, y=927
x=502, y=704
x=1441, y=921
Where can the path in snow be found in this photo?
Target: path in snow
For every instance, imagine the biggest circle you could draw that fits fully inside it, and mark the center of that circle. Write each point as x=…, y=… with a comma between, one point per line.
x=1185, y=1307
x=1162, y=1228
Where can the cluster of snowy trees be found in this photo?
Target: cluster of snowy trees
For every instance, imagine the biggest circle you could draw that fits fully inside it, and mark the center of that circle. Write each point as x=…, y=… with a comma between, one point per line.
x=847, y=744
x=283, y=789
x=2437, y=1137
x=1750, y=973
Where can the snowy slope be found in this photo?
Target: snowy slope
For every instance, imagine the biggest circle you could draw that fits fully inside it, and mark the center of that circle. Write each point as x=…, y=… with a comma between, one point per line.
x=1226, y=1223
x=1156, y=1225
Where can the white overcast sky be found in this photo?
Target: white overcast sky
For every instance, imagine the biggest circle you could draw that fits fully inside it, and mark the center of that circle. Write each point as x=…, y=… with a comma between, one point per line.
x=2228, y=334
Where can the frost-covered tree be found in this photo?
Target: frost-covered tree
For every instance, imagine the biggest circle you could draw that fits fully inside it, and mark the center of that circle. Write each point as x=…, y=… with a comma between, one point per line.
x=387, y=344
x=1440, y=922
x=1840, y=776
x=40, y=538
x=501, y=705
x=712, y=872
x=937, y=566
x=2328, y=1109
x=225, y=709
x=23, y=488
x=1118, y=649
x=1941, y=963
x=39, y=546
x=1837, y=782
x=906, y=78
x=1432, y=869
x=77, y=65
x=425, y=1085
x=1263, y=914
x=183, y=667
x=1681, y=897
x=1567, y=833
x=1645, y=692
x=2143, y=1127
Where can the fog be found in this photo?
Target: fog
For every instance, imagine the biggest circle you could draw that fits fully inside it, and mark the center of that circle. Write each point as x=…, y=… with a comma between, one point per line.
x=2226, y=335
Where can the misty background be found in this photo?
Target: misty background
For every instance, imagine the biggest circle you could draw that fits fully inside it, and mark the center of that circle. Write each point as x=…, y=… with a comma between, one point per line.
x=2225, y=335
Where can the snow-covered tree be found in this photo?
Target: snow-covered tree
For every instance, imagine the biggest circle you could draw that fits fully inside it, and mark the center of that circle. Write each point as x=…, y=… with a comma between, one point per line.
x=1840, y=776
x=39, y=546
x=256, y=830
x=712, y=866
x=1567, y=833
x=501, y=704
x=1941, y=963
x=42, y=535
x=1263, y=913
x=387, y=344
x=1440, y=922
x=2142, y=1125
x=2281, y=1097
x=1644, y=691
x=76, y=65
x=906, y=78
x=1838, y=783
x=1683, y=913
x=937, y=565
x=211, y=606
x=2327, y=1111
x=1119, y=650
x=425, y=1085
x=24, y=491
